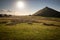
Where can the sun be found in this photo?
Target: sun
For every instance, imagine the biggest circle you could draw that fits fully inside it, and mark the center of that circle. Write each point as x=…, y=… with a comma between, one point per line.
x=20, y=4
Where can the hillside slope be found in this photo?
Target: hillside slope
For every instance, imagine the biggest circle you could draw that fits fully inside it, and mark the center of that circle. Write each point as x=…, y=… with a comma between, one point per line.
x=47, y=12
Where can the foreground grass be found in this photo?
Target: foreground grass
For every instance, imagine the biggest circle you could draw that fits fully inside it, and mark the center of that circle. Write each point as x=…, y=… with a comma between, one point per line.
x=26, y=31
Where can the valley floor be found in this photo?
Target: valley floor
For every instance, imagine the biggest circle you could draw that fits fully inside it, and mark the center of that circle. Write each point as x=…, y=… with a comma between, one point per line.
x=25, y=31
x=29, y=28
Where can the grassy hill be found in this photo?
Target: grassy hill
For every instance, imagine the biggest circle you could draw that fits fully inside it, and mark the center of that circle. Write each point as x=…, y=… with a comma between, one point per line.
x=47, y=12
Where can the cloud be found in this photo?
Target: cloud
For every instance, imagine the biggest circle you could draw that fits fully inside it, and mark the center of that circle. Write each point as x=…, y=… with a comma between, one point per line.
x=3, y=11
x=14, y=12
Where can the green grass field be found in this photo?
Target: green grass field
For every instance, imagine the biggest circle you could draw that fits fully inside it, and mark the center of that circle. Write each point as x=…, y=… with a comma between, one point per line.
x=29, y=31
x=24, y=31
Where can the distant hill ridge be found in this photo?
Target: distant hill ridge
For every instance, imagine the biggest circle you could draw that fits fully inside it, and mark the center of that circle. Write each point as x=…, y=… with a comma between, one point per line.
x=47, y=12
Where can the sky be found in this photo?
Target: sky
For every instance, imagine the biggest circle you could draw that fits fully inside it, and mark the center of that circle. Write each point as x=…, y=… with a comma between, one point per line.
x=30, y=6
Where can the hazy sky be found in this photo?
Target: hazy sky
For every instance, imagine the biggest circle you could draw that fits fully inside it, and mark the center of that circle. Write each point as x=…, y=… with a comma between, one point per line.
x=30, y=6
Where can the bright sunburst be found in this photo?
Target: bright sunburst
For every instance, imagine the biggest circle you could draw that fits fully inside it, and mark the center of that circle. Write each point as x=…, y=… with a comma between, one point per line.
x=20, y=4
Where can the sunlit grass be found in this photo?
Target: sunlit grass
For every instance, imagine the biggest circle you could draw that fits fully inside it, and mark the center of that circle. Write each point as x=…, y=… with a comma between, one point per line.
x=25, y=31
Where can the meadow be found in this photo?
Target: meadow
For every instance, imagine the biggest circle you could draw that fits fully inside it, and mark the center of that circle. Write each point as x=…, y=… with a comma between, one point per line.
x=29, y=28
